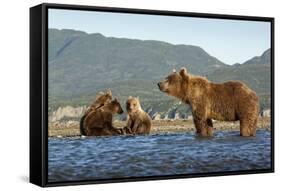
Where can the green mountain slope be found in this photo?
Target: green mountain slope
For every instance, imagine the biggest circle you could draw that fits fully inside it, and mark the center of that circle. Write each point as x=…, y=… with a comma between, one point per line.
x=256, y=76
x=81, y=65
x=263, y=59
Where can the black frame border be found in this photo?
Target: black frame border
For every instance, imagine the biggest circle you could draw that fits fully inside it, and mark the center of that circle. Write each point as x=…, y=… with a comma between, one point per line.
x=39, y=91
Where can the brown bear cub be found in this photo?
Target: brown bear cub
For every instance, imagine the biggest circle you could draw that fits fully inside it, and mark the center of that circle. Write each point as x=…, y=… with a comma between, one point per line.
x=229, y=101
x=99, y=121
x=139, y=121
x=100, y=100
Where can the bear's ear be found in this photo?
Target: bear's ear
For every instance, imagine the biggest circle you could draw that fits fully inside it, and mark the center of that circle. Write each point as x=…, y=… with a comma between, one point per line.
x=130, y=97
x=183, y=72
x=99, y=95
x=138, y=98
x=174, y=70
x=109, y=92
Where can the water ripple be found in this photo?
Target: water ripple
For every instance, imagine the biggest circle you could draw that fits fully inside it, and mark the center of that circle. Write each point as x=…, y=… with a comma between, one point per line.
x=158, y=154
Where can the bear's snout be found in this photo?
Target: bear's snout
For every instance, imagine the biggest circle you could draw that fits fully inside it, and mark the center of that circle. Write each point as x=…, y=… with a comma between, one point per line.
x=120, y=111
x=159, y=84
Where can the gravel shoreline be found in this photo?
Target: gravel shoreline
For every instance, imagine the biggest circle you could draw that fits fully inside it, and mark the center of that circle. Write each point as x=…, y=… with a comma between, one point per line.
x=71, y=128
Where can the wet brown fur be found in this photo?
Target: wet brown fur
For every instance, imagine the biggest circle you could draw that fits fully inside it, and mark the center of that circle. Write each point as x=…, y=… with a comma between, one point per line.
x=100, y=100
x=99, y=121
x=229, y=101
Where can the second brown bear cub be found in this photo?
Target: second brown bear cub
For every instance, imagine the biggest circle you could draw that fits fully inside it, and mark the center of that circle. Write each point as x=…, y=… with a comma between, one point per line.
x=139, y=121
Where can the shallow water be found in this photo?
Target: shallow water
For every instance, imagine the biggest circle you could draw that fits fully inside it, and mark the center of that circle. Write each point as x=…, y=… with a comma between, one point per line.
x=159, y=154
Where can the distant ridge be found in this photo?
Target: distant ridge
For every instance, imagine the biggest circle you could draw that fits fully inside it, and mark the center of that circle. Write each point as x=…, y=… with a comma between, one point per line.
x=82, y=64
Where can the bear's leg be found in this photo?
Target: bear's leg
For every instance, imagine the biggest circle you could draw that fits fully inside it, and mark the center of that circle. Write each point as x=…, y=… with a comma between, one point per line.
x=248, y=115
x=204, y=131
x=254, y=127
x=108, y=131
x=244, y=128
x=248, y=125
x=197, y=125
x=143, y=130
x=127, y=130
x=254, y=120
x=136, y=125
x=118, y=131
x=210, y=127
x=201, y=127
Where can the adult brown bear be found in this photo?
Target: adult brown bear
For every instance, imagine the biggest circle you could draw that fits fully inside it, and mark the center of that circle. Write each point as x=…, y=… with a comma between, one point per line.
x=229, y=101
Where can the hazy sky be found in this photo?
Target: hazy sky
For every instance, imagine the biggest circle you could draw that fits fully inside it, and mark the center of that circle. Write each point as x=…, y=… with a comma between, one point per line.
x=230, y=41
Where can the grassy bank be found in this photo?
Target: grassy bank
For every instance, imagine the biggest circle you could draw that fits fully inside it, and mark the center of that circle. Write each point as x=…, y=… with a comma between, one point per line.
x=71, y=128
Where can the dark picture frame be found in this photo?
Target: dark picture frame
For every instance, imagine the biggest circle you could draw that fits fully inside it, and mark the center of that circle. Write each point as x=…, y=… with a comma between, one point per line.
x=39, y=91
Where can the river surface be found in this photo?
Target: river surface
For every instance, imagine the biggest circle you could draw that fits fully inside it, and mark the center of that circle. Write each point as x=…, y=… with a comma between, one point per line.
x=93, y=158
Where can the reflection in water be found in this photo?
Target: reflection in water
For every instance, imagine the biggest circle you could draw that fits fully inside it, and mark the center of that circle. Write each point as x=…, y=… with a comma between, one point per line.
x=159, y=154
